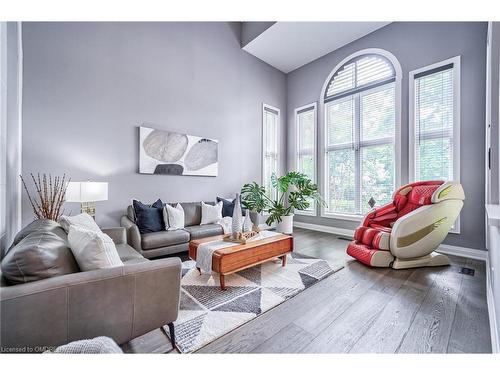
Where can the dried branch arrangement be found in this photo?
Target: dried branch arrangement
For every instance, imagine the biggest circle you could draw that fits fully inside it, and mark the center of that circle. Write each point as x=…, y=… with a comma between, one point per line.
x=51, y=193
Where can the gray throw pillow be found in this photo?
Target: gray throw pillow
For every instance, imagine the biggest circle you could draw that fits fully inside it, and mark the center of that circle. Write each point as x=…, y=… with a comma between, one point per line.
x=38, y=256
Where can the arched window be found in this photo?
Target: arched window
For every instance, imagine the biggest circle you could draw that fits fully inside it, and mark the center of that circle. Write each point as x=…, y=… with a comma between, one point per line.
x=361, y=108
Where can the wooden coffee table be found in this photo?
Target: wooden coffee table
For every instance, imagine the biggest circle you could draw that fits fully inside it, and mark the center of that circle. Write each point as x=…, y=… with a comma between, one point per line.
x=239, y=257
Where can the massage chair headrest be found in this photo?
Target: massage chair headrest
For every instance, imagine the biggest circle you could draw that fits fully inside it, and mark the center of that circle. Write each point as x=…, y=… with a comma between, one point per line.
x=427, y=192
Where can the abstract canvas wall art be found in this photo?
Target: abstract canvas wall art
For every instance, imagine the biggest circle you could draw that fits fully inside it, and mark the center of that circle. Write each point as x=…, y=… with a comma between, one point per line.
x=170, y=153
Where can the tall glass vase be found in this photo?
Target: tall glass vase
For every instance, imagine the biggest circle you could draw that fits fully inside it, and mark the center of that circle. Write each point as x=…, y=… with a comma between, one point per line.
x=237, y=218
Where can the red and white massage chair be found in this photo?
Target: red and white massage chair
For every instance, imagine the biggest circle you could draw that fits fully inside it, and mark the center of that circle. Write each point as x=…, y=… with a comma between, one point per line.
x=405, y=232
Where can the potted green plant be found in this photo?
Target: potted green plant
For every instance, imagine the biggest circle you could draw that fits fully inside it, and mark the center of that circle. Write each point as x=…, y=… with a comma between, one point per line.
x=295, y=191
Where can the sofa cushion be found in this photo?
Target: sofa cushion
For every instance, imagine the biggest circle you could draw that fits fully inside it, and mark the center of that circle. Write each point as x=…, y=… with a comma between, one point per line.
x=45, y=225
x=129, y=255
x=164, y=238
x=205, y=230
x=83, y=220
x=192, y=213
x=93, y=250
x=149, y=218
x=38, y=256
x=211, y=214
x=228, y=206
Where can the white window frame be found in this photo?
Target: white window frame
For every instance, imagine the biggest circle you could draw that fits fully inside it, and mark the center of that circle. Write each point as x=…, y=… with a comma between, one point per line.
x=397, y=131
x=263, y=140
x=456, y=122
x=313, y=106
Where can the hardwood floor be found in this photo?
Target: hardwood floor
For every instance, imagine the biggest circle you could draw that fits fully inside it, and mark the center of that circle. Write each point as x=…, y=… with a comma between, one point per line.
x=363, y=310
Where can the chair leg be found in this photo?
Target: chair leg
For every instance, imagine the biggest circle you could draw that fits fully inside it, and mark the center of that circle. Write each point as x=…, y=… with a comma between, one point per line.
x=172, y=334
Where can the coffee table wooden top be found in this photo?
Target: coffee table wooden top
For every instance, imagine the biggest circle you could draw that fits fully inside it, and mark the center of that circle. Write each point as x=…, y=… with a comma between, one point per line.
x=239, y=247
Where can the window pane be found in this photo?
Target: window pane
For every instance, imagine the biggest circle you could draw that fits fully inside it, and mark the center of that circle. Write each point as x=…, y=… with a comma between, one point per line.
x=270, y=150
x=340, y=121
x=271, y=132
x=378, y=114
x=371, y=69
x=343, y=80
x=341, y=195
x=434, y=159
x=434, y=98
x=305, y=122
x=306, y=165
x=434, y=126
x=377, y=175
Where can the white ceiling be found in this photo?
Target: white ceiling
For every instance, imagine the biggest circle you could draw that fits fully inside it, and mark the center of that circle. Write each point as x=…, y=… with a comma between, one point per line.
x=289, y=45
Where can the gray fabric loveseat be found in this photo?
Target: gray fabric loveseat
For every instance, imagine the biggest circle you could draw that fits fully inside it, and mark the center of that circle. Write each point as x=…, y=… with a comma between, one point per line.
x=120, y=302
x=156, y=244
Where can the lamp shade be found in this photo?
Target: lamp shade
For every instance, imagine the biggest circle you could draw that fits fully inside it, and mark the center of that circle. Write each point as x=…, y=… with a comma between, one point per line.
x=88, y=191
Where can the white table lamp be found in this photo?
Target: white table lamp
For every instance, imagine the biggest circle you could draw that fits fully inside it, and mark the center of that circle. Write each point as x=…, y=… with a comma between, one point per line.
x=87, y=193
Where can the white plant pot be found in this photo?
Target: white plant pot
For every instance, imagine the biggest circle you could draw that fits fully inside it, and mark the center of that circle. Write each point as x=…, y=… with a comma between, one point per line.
x=285, y=225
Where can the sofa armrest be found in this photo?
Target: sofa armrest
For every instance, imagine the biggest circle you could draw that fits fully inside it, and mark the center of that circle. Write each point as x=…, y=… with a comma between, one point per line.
x=133, y=234
x=121, y=303
x=118, y=234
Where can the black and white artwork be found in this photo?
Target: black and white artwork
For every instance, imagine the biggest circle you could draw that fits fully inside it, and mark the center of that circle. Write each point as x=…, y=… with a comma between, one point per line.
x=170, y=153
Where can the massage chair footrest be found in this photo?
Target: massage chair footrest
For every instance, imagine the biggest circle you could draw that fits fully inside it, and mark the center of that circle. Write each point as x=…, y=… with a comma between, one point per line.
x=370, y=256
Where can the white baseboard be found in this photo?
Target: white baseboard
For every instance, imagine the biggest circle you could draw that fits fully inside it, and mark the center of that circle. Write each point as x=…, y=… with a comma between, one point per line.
x=465, y=252
x=495, y=340
x=326, y=229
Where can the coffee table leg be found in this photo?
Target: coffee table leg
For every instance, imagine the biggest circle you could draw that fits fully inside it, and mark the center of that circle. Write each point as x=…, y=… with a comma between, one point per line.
x=222, y=282
x=283, y=260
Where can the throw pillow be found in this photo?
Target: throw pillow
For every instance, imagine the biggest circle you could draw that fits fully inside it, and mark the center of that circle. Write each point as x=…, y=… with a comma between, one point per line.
x=211, y=214
x=173, y=217
x=149, y=218
x=93, y=250
x=83, y=220
x=39, y=255
x=228, y=206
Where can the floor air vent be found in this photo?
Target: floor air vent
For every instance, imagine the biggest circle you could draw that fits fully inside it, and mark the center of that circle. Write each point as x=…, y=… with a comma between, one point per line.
x=466, y=271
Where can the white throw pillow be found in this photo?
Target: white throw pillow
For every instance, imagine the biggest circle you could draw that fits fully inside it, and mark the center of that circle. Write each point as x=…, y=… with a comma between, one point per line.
x=211, y=214
x=226, y=223
x=84, y=220
x=92, y=250
x=173, y=217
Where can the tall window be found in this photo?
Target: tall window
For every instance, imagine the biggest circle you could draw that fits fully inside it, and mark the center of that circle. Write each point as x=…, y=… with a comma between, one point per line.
x=360, y=130
x=434, y=121
x=270, y=127
x=305, y=123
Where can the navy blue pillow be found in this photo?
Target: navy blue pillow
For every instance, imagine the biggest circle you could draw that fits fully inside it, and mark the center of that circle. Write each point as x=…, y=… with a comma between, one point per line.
x=149, y=218
x=228, y=206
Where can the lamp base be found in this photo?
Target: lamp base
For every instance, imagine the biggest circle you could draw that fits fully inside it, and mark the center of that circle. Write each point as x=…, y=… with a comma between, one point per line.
x=89, y=208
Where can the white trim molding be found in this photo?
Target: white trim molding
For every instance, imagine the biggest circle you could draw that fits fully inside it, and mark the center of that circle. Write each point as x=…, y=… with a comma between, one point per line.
x=465, y=252
x=490, y=300
x=323, y=183
x=456, y=122
x=325, y=229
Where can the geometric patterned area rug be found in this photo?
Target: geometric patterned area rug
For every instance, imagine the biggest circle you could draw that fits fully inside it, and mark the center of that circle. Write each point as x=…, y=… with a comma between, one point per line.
x=207, y=313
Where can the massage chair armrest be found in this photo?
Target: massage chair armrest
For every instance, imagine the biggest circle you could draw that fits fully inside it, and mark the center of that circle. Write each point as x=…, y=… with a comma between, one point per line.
x=375, y=212
x=423, y=229
x=133, y=234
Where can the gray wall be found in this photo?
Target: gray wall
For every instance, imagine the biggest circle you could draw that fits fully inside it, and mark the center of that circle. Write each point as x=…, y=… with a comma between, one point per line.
x=417, y=45
x=88, y=86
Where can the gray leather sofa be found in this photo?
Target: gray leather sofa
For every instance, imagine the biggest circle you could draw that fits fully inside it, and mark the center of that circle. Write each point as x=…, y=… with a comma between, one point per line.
x=121, y=302
x=152, y=245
